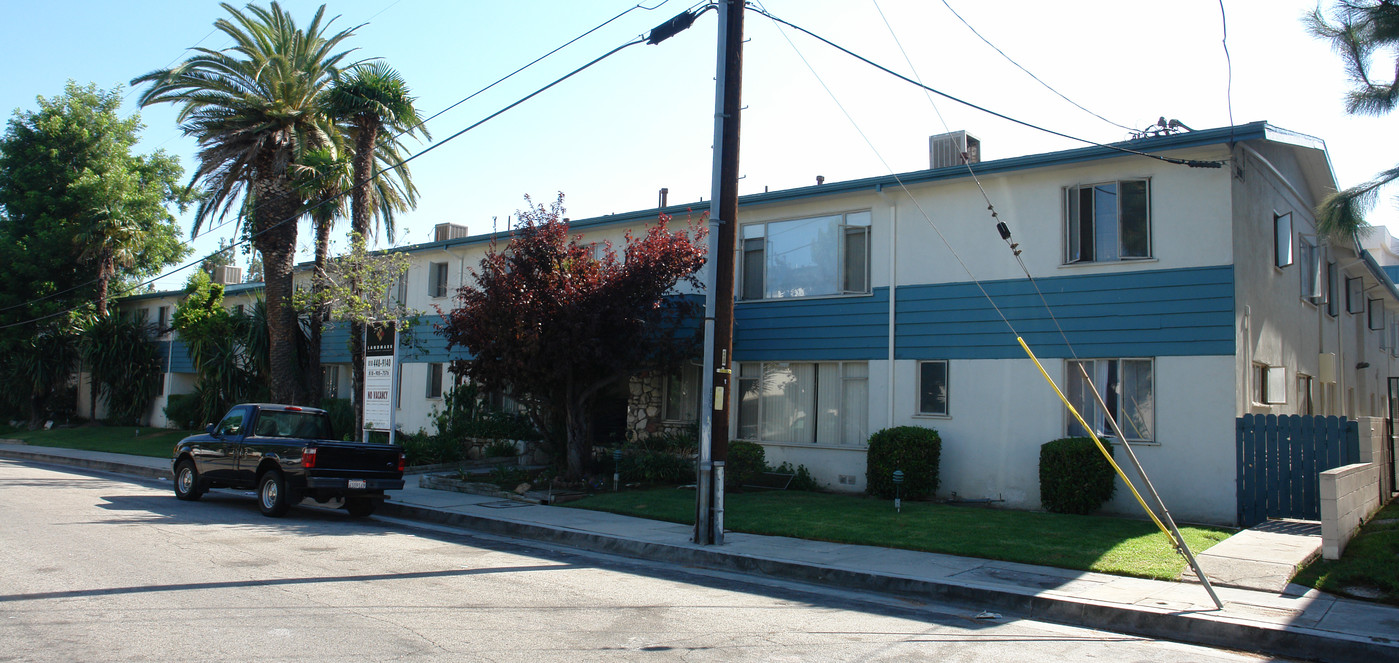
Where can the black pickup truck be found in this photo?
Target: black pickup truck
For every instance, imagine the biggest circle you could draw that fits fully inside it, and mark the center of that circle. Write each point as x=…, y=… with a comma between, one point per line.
x=287, y=453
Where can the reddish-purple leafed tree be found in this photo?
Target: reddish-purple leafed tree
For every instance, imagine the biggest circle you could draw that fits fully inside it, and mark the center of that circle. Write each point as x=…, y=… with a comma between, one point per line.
x=555, y=322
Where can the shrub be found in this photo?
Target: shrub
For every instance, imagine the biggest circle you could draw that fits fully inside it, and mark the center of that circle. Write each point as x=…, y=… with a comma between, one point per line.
x=1074, y=476
x=801, y=477
x=747, y=461
x=424, y=449
x=342, y=417
x=185, y=411
x=500, y=449
x=914, y=450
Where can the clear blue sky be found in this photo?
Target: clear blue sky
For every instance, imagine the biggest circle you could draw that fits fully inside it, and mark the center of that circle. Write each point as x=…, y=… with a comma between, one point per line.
x=612, y=136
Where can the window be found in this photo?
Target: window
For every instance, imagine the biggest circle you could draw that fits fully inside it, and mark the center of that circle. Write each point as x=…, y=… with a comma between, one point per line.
x=434, y=381
x=1305, y=404
x=1309, y=256
x=1375, y=318
x=330, y=381
x=397, y=294
x=682, y=387
x=827, y=255
x=437, y=279
x=1333, y=289
x=1108, y=222
x=1355, y=295
x=1127, y=386
x=1282, y=239
x=232, y=423
x=162, y=319
x=238, y=309
x=803, y=402
x=932, y=387
x=1269, y=384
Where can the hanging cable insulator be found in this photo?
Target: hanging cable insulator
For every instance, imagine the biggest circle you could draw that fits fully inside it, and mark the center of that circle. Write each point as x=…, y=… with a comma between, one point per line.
x=670, y=28
x=1004, y=230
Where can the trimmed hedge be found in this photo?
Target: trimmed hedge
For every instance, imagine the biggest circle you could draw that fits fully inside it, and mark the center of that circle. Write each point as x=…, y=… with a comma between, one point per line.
x=914, y=450
x=183, y=411
x=1074, y=476
x=746, y=462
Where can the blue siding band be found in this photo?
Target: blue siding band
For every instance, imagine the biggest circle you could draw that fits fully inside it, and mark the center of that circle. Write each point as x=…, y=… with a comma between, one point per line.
x=1150, y=313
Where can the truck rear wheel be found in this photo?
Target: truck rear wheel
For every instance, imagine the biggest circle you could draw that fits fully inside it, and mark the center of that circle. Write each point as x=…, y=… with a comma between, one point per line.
x=272, y=496
x=360, y=507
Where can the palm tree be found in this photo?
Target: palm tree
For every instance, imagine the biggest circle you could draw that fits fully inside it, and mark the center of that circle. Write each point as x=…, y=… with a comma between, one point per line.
x=108, y=242
x=254, y=108
x=1362, y=27
x=373, y=99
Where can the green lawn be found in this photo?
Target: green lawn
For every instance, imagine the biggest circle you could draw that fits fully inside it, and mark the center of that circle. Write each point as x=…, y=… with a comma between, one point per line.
x=156, y=442
x=1086, y=543
x=1369, y=568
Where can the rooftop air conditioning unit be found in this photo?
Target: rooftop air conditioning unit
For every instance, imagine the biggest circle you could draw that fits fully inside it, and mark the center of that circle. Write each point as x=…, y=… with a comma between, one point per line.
x=445, y=231
x=946, y=150
x=227, y=275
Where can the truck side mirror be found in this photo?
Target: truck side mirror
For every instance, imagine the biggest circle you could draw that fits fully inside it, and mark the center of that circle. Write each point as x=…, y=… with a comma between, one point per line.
x=209, y=429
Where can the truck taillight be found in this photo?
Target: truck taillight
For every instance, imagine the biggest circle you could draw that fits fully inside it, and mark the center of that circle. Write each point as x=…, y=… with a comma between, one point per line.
x=308, y=457
x=402, y=461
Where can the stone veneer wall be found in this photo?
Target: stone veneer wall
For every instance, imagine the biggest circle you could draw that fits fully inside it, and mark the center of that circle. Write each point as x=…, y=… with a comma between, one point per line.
x=645, y=400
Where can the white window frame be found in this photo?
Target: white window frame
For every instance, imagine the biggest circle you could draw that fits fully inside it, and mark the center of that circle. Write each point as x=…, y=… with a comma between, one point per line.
x=745, y=377
x=433, y=389
x=330, y=381
x=690, y=373
x=946, y=389
x=1282, y=240
x=1355, y=295
x=437, y=276
x=1072, y=374
x=1309, y=257
x=755, y=239
x=1306, y=399
x=1073, y=224
x=1333, y=289
x=1269, y=384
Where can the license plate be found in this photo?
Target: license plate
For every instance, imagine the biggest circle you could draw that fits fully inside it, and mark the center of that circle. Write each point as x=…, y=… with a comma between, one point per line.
x=356, y=483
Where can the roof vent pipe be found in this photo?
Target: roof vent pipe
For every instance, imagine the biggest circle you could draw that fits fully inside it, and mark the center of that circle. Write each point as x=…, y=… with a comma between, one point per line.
x=665, y=192
x=820, y=179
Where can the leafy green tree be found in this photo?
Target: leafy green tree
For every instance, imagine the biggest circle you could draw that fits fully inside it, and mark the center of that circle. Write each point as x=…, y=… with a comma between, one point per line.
x=373, y=99
x=254, y=108
x=1361, y=29
x=77, y=208
x=78, y=212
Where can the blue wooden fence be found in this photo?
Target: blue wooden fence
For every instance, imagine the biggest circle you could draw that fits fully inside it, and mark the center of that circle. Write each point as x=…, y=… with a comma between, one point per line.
x=1280, y=461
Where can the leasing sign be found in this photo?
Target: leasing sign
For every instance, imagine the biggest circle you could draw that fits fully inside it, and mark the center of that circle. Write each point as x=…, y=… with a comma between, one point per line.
x=379, y=353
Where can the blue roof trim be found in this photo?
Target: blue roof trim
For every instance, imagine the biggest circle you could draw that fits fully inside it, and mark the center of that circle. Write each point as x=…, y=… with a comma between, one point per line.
x=1223, y=135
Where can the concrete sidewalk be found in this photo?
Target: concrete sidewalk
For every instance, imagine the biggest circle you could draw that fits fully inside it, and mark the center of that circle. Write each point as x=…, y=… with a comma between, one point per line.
x=1295, y=622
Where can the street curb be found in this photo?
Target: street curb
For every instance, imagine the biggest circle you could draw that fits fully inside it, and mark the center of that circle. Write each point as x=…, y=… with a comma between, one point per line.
x=1200, y=628
x=1194, y=628
x=87, y=463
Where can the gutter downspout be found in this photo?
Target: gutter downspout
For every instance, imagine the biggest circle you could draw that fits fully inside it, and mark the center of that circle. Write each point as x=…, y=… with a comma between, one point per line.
x=893, y=283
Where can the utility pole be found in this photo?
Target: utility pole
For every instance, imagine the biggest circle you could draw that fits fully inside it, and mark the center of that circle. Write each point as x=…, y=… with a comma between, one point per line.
x=719, y=278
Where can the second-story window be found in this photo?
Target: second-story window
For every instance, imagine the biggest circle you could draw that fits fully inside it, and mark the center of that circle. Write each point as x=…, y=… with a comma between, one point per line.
x=437, y=279
x=825, y=255
x=1107, y=222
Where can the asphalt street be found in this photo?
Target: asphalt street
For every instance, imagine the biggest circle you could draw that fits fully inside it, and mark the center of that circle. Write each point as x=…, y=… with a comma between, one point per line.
x=99, y=568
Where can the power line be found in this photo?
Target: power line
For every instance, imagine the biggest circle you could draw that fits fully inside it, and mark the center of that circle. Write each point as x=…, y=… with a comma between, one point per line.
x=1029, y=73
x=405, y=131
x=400, y=164
x=1229, y=69
x=1193, y=163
